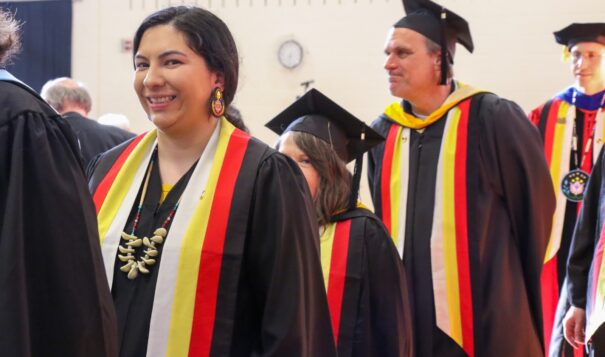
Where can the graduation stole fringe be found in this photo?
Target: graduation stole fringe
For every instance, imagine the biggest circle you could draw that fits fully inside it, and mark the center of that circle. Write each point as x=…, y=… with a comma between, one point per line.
x=183, y=316
x=449, y=236
x=334, y=250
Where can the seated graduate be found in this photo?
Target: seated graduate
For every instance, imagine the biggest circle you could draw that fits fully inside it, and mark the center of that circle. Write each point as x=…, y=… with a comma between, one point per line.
x=207, y=234
x=363, y=275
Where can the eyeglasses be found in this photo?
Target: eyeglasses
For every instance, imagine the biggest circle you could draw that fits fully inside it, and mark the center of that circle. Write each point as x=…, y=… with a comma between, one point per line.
x=589, y=56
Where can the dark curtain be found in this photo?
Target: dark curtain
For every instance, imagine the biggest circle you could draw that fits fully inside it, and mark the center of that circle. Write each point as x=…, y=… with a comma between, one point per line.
x=46, y=40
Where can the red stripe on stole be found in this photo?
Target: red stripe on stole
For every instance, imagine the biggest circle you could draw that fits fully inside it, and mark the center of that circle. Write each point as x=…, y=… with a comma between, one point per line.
x=385, y=178
x=204, y=314
x=462, y=249
x=549, y=279
x=338, y=272
x=549, y=282
x=103, y=188
x=549, y=133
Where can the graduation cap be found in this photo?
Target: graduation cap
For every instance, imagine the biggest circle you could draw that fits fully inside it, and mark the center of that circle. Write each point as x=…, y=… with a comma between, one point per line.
x=318, y=115
x=576, y=32
x=436, y=23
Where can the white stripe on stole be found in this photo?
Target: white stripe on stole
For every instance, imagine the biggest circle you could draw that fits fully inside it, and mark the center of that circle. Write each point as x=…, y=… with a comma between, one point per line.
x=559, y=216
x=597, y=315
x=404, y=166
x=599, y=135
x=440, y=297
x=161, y=315
x=113, y=235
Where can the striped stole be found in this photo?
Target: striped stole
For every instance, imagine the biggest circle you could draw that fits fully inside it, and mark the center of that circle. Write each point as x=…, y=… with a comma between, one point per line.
x=184, y=309
x=449, y=235
x=334, y=249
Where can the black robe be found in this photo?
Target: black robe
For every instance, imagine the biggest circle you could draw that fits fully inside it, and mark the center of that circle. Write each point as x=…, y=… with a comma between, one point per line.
x=270, y=299
x=370, y=303
x=54, y=296
x=510, y=203
x=95, y=138
x=584, y=267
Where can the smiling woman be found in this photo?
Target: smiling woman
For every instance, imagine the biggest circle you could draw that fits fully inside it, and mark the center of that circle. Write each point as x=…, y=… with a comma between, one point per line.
x=193, y=266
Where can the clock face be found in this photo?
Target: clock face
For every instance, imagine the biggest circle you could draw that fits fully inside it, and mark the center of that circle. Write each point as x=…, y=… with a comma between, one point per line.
x=290, y=54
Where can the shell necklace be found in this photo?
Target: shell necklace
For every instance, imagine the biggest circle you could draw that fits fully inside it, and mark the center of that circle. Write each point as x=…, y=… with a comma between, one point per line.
x=148, y=257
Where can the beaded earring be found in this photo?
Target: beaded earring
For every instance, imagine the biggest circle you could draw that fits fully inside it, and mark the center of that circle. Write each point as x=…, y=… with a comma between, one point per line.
x=217, y=103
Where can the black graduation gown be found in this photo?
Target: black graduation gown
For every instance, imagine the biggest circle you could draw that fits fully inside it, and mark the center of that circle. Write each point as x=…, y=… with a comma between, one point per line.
x=375, y=314
x=585, y=252
x=272, y=300
x=510, y=203
x=95, y=138
x=54, y=296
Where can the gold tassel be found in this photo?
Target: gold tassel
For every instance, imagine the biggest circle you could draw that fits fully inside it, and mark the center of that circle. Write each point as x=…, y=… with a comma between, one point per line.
x=566, y=55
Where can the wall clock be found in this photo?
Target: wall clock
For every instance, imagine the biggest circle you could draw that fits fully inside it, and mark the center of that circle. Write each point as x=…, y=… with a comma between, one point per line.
x=290, y=54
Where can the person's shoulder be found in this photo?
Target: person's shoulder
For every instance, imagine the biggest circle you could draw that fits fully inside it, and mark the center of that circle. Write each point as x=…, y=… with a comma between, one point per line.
x=99, y=165
x=111, y=155
x=490, y=106
x=382, y=124
x=116, y=132
x=361, y=214
x=16, y=100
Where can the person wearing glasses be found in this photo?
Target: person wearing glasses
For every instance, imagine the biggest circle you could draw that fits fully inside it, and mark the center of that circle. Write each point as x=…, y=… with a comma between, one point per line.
x=572, y=127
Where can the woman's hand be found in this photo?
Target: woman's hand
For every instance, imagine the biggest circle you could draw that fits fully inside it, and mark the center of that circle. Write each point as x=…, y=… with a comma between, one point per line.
x=574, y=324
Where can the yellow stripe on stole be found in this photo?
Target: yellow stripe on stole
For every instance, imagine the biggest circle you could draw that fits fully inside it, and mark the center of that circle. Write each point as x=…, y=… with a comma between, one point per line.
x=449, y=228
x=555, y=172
x=190, y=256
x=121, y=184
x=396, y=187
x=326, y=243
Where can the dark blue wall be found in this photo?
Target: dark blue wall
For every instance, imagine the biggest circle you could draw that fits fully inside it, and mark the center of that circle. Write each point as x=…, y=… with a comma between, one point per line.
x=46, y=40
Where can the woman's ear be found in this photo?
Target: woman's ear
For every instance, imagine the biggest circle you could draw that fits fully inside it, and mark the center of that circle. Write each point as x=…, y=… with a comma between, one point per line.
x=219, y=81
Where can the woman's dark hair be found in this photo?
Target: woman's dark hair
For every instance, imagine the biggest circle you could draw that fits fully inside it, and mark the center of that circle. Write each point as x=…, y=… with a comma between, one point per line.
x=334, y=189
x=206, y=34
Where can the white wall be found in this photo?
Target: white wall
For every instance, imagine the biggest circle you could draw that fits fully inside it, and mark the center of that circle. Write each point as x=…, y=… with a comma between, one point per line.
x=515, y=54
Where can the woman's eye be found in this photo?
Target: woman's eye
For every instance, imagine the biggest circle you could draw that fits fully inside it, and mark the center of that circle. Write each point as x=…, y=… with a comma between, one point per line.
x=140, y=65
x=173, y=62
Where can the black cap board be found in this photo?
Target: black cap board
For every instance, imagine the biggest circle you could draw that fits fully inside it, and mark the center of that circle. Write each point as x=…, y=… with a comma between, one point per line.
x=316, y=114
x=436, y=23
x=581, y=32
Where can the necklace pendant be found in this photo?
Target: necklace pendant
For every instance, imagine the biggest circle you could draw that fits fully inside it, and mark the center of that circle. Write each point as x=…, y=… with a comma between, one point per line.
x=125, y=258
x=135, y=243
x=134, y=271
x=127, y=236
x=126, y=267
x=157, y=239
x=573, y=185
x=161, y=232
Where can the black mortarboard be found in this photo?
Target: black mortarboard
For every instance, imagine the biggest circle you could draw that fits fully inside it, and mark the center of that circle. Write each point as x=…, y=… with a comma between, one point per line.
x=435, y=22
x=574, y=33
x=318, y=115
